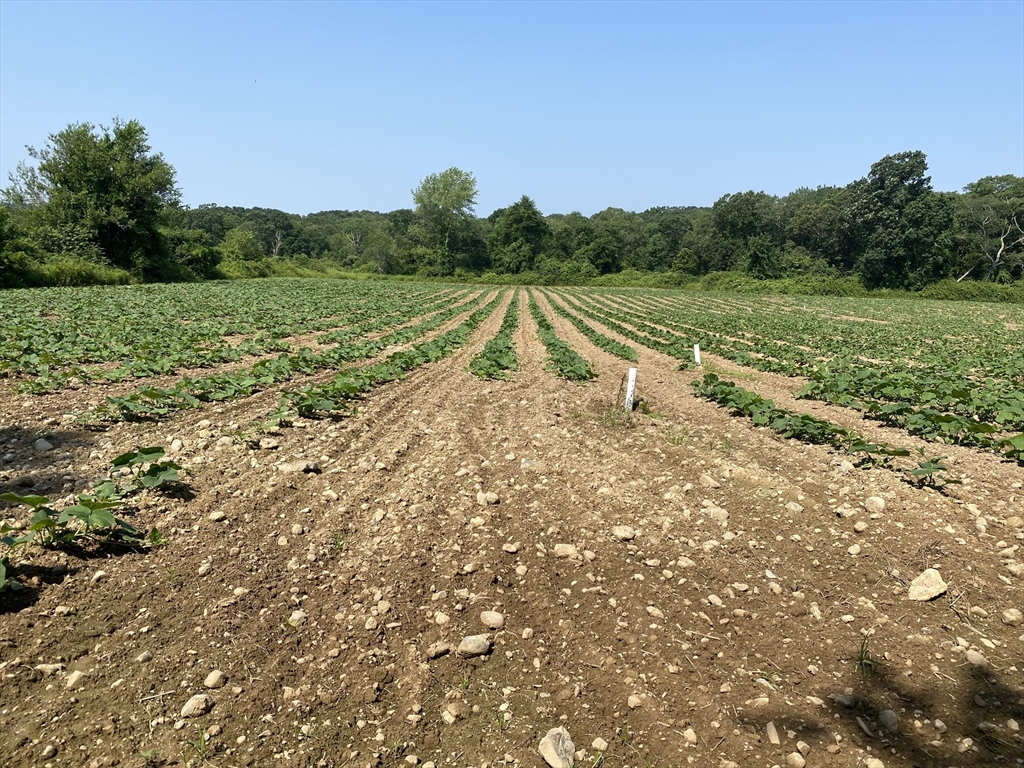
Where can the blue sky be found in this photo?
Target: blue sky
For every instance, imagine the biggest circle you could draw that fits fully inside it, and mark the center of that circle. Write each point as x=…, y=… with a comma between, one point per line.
x=317, y=106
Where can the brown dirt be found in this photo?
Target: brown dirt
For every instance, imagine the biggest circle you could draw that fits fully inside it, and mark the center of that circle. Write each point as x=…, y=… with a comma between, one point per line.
x=736, y=604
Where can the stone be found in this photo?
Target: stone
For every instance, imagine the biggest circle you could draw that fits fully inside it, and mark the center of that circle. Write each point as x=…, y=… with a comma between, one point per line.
x=794, y=507
x=216, y=679
x=298, y=618
x=299, y=467
x=854, y=550
x=557, y=748
x=145, y=656
x=844, y=699
x=487, y=498
x=437, y=650
x=474, y=645
x=927, y=586
x=46, y=670
x=492, y=619
x=510, y=547
x=566, y=551
x=655, y=612
x=975, y=658
x=49, y=751
x=874, y=504
x=773, y=733
x=795, y=760
x=623, y=533
x=634, y=701
x=42, y=445
x=599, y=744
x=197, y=706
x=873, y=762
x=441, y=618
x=217, y=516
x=690, y=736
x=1012, y=617
x=1015, y=522
x=888, y=719
x=98, y=577
x=939, y=726
x=709, y=482
x=74, y=679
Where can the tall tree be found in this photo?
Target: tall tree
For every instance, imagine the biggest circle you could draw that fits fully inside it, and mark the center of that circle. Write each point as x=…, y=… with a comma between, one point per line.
x=444, y=208
x=101, y=185
x=990, y=219
x=518, y=237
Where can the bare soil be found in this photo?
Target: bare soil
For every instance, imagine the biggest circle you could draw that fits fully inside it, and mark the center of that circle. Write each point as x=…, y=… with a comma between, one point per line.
x=677, y=586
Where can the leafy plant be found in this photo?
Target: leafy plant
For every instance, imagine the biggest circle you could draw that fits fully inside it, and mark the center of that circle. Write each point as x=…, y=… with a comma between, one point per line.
x=931, y=472
x=147, y=471
x=866, y=663
x=563, y=358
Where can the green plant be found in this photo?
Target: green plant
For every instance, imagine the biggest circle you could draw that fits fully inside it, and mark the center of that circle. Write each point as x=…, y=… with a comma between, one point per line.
x=930, y=473
x=7, y=582
x=147, y=471
x=201, y=743
x=866, y=663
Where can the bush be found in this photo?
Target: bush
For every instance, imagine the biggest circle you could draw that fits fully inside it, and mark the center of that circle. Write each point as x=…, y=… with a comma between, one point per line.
x=71, y=271
x=975, y=291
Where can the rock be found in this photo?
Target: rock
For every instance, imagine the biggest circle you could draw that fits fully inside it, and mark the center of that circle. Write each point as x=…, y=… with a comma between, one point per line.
x=655, y=612
x=975, y=658
x=215, y=679
x=709, y=482
x=794, y=507
x=217, y=516
x=844, y=699
x=557, y=748
x=492, y=619
x=298, y=618
x=804, y=748
x=873, y=762
x=487, y=499
x=690, y=736
x=269, y=443
x=441, y=618
x=474, y=645
x=49, y=751
x=874, y=504
x=74, y=679
x=773, y=733
x=795, y=760
x=1015, y=522
x=297, y=467
x=634, y=701
x=623, y=533
x=46, y=670
x=510, y=547
x=888, y=720
x=437, y=650
x=98, y=577
x=197, y=706
x=939, y=726
x=854, y=550
x=566, y=550
x=599, y=744
x=42, y=445
x=927, y=586
x=1012, y=617
x=371, y=623
x=143, y=657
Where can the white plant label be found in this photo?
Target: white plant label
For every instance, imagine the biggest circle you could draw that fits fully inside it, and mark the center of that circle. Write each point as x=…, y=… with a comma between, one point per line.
x=696, y=353
x=630, y=388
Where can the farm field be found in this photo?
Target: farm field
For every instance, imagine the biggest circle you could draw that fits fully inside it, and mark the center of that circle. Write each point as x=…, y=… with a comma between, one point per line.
x=400, y=524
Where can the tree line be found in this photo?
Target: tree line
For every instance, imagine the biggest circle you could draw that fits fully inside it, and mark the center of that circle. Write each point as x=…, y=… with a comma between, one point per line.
x=96, y=204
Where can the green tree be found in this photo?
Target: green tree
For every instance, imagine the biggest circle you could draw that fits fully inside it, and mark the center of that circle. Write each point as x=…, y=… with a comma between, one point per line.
x=519, y=235
x=98, y=188
x=990, y=227
x=444, y=209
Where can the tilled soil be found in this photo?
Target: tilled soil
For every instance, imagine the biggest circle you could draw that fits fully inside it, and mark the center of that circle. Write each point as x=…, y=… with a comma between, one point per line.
x=672, y=586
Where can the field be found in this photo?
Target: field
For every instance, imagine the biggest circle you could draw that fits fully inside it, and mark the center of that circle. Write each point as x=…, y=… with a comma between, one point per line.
x=332, y=523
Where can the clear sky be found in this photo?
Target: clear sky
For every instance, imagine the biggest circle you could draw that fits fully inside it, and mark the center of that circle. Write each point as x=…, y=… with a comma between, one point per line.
x=318, y=106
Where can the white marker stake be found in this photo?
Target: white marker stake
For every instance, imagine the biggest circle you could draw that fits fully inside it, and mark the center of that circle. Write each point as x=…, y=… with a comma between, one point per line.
x=696, y=353
x=630, y=388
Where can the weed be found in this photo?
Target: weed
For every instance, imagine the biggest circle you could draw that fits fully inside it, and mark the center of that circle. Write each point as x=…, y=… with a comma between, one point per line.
x=866, y=663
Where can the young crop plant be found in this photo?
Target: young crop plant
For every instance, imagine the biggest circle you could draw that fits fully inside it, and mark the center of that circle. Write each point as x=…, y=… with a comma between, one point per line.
x=498, y=356
x=562, y=358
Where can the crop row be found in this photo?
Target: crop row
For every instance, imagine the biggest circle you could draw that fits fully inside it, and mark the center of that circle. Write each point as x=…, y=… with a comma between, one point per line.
x=599, y=340
x=498, y=356
x=152, y=402
x=562, y=358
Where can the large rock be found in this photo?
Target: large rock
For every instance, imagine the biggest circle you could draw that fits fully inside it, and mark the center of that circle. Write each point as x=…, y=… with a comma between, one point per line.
x=474, y=645
x=927, y=586
x=197, y=706
x=557, y=748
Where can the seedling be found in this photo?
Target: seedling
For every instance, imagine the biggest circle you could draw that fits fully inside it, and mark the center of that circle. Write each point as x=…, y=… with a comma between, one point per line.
x=866, y=663
x=930, y=473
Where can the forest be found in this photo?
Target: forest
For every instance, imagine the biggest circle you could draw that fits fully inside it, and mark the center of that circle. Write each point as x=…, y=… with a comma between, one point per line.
x=97, y=205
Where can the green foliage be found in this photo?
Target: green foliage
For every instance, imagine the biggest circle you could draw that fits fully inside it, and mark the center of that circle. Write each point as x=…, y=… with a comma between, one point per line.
x=98, y=195
x=498, y=356
x=561, y=357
